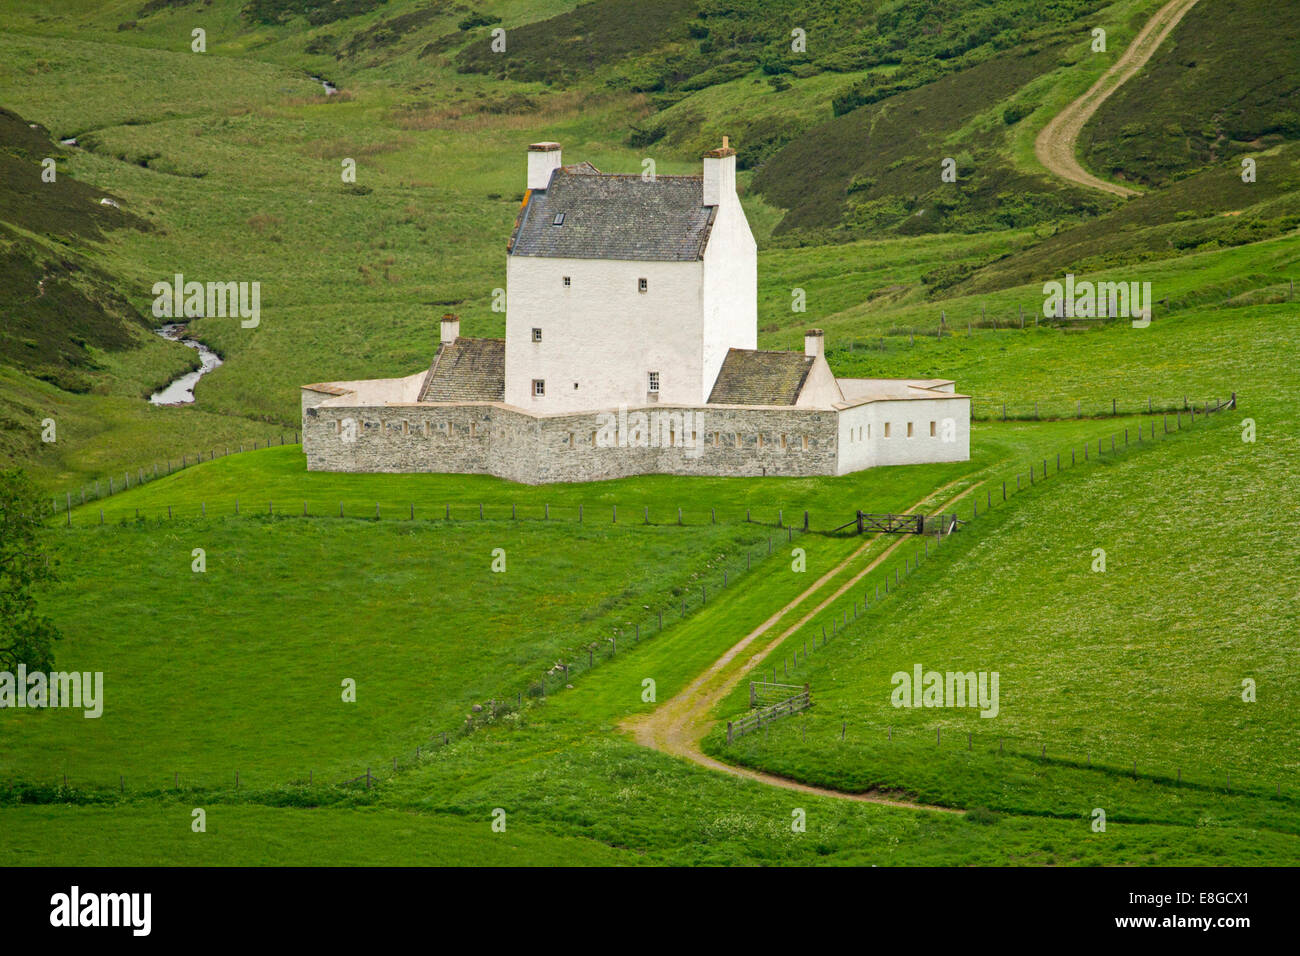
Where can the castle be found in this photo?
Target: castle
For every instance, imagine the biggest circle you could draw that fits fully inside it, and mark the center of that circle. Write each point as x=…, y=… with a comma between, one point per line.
x=630, y=348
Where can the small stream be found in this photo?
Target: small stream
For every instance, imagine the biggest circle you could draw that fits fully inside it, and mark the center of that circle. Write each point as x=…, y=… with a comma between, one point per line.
x=181, y=390
x=330, y=88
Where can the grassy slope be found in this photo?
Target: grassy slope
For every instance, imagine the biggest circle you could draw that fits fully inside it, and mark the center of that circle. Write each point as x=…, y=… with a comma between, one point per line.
x=1142, y=663
x=240, y=667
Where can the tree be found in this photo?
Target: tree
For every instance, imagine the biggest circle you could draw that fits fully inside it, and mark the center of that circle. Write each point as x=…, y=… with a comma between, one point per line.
x=26, y=635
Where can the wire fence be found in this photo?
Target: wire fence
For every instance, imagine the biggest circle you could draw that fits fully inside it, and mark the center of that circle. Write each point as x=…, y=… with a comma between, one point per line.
x=110, y=485
x=953, y=321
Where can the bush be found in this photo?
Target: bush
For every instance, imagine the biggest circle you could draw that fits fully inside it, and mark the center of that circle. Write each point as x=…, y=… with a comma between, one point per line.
x=1014, y=113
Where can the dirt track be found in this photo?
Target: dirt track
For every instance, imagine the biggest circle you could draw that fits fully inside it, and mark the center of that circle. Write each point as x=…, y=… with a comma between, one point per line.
x=1056, y=143
x=678, y=725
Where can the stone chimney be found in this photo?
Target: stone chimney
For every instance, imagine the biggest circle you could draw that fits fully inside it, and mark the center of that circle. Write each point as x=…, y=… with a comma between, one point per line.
x=543, y=158
x=450, y=328
x=719, y=174
x=814, y=343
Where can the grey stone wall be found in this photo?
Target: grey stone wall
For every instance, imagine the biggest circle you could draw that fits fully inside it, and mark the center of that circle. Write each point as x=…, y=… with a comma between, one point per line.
x=498, y=440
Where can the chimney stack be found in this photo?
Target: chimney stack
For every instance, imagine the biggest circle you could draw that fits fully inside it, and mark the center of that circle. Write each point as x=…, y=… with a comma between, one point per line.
x=450, y=328
x=543, y=159
x=719, y=174
x=814, y=343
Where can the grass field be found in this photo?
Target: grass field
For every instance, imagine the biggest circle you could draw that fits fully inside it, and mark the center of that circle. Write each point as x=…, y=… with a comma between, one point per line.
x=1119, y=690
x=241, y=667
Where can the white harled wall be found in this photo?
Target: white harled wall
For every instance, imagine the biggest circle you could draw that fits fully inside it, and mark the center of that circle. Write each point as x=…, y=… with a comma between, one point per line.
x=730, y=283
x=602, y=333
x=862, y=441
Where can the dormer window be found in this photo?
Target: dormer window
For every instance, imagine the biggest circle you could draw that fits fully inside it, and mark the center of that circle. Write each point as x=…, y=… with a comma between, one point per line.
x=559, y=219
x=642, y=285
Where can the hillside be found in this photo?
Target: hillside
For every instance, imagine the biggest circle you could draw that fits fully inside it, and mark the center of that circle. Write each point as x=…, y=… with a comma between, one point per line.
x=1223, y=85
x=572, y=653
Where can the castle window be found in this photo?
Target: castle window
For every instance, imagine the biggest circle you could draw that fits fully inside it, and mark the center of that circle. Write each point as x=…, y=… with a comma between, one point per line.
x=559, y=219
x=737, y=437
x=931, y=429
x=571, y=442
x=473, y=429
x=654, y=381
x=406, y=429
x=886, y=429
x=909, y=429
x=539, y=386
x=567, y=282
x=642, y=285
x=537, y=335
x=760, y=439
x=868, y=433
x=717, y=437
x=593, y=439
x=783, y=445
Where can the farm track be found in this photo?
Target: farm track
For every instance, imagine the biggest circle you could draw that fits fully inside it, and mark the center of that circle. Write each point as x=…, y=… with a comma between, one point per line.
x=679, y=724
x=1057, y=142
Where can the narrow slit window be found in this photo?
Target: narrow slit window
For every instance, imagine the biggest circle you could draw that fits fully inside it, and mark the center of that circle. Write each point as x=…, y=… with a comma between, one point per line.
x=909, y=429
x=886, y=429
x=931, y=429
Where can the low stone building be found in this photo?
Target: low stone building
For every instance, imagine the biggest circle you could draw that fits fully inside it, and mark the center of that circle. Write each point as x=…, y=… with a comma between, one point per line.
x=641, y=293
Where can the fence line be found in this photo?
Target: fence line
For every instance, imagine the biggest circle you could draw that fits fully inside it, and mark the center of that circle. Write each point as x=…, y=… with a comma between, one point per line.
x=1060, y=409
x=144, y=476
x=407, y=512
x=767, y=715
x=1018, y=319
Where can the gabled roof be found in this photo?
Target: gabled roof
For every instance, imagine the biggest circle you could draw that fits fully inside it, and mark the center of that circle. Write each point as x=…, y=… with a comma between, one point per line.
x=751, y=377
x=614, y=216
x=467, y=370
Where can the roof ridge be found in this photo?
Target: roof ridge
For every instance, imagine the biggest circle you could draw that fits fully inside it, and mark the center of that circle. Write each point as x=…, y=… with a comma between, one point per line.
x=433, y=367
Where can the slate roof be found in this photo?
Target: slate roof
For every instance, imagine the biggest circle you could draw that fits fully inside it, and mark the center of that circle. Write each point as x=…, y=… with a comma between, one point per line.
x=751, y=377
x=467, y=370
x=614, y=216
